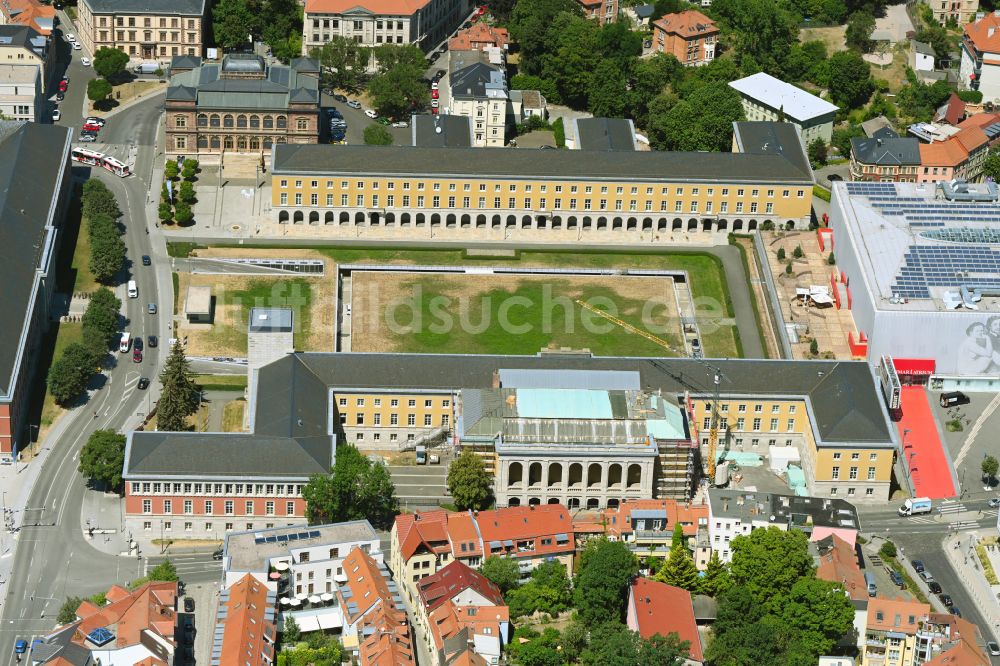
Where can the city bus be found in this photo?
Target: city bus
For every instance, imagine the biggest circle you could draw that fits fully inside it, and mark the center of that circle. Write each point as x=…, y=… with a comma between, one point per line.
x=94, y=158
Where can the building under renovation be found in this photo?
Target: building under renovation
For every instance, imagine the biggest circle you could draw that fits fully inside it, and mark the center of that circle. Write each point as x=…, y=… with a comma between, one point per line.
x=582, y=439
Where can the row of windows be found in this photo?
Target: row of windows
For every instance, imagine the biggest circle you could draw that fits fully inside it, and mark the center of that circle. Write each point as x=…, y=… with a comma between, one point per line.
x=855, y=456
x=557, y=189
x=357, y=25
x=104, y=22
x=741, y=424
x=851, y=492
x=228, y=507
x=852, y=473
x=411, y=419
x=168, y=526
x=375, y=201
x=247, y=489
x=240, y=121
x=757, y=408
x=377, y=437
x=147, y=36
x=229, y=142
x=394, y=402
x=322, y=38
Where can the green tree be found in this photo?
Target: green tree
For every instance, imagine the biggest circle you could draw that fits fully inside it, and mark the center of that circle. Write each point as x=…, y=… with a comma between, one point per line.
x=233, y=21
x=291, y=633
x=529, y=648
x=938, y=38
x=97, y=199
x=803, y=60
x=619, y=43
x=769, y=561
x=355, y=489
x=503, y=571
x=841, y=140
x=991, y=166
x=990, y=465
x=703, y=121
x=186, y=192
x=179, y=396
x=98, y=90
x=797, y=252
x=781, y=254
x=767, y=641
x=607, y=96
x=165, y=212
x=398, y=91
x=469, y=484
x=851, y=82
x=574, y=59
x=190, y=170
x=68, y=375
x=107, y=256
x=101, y=317
x=103, y=457
x=860, y=26
x=392, y=56
x=574, y=640
x=813, y=344
x=282, y=28
x=677, y=540
x=788, y=268
x=821, y=612
x=716, y=579
x=548, y=591
x=651, y=77
x=679, y=569
x=109, y=62
x=888, y=550
x=763, y=31
x=531, y=26
x=343, y=61
x=170, y=170
x=183, y=213
x=600, y=592
x=378, y=135
x=658, y=119
x=817, y=152
x=614, y=643
x=165, y=572
x=831, y=260
x=67, y=612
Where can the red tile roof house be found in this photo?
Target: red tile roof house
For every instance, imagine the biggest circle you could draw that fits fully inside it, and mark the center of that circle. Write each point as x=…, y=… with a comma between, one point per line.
x=479, y=36
x=247, y=619
x=960, y=156
x=657, y=608
x=461, y=610
x=838, y=563
x=132, y=627
x=375, y=626
x=422, y=543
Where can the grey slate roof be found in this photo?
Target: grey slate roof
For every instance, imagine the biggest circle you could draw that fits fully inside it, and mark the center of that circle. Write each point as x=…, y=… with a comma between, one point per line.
x=456, y=131
x=899, y=151
x=471, y=82
x=845, y=401
x=225, y=455
x=644, y=11
x=653, y=166
x=32, y=162
x=178, y=7
x=604, y=134
x=24, y=36
x=281, y=85
x=185, y=62
x=771, y=138
x=798, y=512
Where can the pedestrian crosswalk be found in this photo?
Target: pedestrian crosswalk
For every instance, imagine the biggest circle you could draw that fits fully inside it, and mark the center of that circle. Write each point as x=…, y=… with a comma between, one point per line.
x=951, y=506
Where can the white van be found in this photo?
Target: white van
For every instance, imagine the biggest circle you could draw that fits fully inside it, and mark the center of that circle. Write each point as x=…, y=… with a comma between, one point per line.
x=133, y=290
x=125, y=342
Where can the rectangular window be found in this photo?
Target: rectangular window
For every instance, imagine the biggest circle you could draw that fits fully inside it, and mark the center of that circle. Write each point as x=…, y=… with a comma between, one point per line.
x=871, y=473
x=835, y=473
x=756, y=425
x=269, y=508
x=248, y=506
x=208, y=507
x=411, y=419
x=289, y=508
x=230, y=507
x=147, y=506
x=168, y=506
x=188, y=506
x=853, y=473
x=774, y=424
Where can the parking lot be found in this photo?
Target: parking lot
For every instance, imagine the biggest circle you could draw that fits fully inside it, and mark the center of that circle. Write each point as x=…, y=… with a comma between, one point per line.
x=356, y=123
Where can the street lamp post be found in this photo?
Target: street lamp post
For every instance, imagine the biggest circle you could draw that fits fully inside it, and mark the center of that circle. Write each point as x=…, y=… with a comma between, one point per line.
x=906, y=463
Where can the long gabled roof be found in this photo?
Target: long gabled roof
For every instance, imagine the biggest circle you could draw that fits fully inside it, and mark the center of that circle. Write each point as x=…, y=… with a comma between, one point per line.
x=451, y=580
x=898, y=151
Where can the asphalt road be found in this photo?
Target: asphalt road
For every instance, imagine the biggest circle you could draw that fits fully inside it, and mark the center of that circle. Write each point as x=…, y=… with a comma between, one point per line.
x=53, y=559
x=357, y=121
x=192, y=568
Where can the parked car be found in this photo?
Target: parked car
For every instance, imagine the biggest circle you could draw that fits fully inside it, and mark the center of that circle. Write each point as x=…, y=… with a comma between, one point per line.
x=217, y=555
x=70, y=37
x=954, y=611
x=926, y=575
x=934, y=587
x=94, y=120
x=146, y=261
x=151, y=308
x=354, y=104
x=137, y=343
x=993, y=648
x=189, y=624
x=435, y=93
x=440, y=73
x=56, y=115
x=20, y=647
x=88, y=127
x=384, y=121
x=136, y=355
x=76, y=46
x=994, y=502
x=897, y=579
x=87, y=138
x=340, y=98
x=946, y=599
x=60, y=96
x=401, y=123
x=371, y=114
x=143, y=383
x=188, y=605
x=64, y=85
x=85, y=61
x=151, y=340
x=918, y=565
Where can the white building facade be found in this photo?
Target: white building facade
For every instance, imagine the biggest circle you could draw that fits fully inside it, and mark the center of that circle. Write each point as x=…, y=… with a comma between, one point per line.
x=769, y=99
x=22, y=92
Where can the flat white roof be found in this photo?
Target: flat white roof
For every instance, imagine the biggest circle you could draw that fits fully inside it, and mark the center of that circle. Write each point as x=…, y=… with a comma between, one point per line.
x=775, y=93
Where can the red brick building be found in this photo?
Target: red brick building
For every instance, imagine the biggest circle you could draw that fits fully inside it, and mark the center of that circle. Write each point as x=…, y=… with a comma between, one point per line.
x=604, y=11
x=690, y=36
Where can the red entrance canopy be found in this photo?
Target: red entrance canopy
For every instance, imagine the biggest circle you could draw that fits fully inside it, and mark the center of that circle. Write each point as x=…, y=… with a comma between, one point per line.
x=914, y=366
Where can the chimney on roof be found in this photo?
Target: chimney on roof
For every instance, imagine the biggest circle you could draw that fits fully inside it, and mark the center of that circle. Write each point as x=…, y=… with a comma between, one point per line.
x=878, y=142
x=496, y=379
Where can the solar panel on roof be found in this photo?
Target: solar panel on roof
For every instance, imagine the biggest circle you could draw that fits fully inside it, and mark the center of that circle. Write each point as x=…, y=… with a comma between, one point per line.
x=293, y=537
x=303, y=535
x=282, y=537
x=314, y=534
x=259, y=540
x=271, y=539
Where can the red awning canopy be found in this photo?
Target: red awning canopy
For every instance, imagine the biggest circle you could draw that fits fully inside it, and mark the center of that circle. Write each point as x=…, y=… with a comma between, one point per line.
x=914, y=366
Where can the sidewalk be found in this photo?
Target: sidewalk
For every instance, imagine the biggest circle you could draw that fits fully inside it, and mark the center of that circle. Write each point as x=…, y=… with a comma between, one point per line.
x=965, y=562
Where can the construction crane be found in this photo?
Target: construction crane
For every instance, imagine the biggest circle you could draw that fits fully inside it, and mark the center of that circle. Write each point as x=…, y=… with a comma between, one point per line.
x=717, y=377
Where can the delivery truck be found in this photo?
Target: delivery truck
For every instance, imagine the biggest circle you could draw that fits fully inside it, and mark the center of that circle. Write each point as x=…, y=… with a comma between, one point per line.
x=146, y=68
x=916, y=506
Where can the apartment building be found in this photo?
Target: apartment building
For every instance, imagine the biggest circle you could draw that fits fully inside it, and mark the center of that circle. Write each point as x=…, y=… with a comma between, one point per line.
x=424, y=542
x=690, y=36
x=602, y=11
x=958, y=11
x=23, y=45
x=980, y=65
x=478, y=36
x=241, y=106
x=479, y=92
x=34, y=192
x=886, y=157
x=462, y=614
x=22, y=92
x=959, y=156
x=34, y=14
x=372, y=23
x=375, y=627
x=766, y=98
x=390, y=420
x=647, y=526
x=891, y=633
x=147, y=30
x=657, y=608
x=542, y=195
x=246, y=623
x=838, y=563
x=734, y=513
